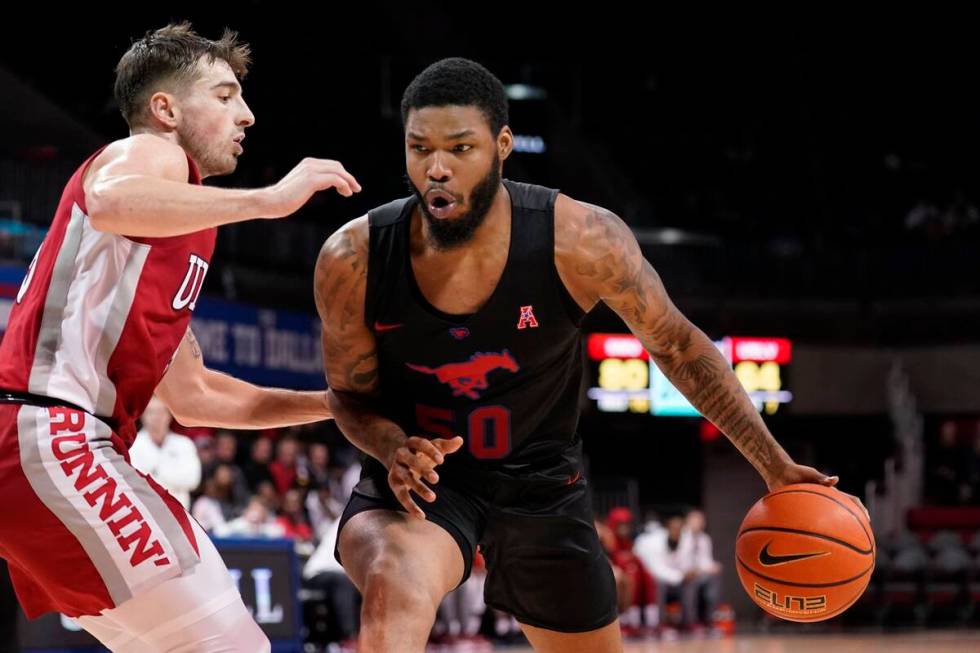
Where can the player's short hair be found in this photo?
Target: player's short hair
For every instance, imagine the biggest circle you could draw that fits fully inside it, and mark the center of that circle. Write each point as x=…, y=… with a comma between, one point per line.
x=458, y=82
x=168, y=56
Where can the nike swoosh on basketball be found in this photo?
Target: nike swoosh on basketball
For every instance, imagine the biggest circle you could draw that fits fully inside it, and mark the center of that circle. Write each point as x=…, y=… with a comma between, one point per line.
x=769, y=559
x=387, y=327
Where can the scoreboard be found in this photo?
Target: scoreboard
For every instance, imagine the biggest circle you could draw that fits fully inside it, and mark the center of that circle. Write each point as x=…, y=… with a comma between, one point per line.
x=625, y=379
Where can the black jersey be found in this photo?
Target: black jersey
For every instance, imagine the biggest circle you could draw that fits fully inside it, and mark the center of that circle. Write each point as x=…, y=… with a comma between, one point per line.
x=506, y=378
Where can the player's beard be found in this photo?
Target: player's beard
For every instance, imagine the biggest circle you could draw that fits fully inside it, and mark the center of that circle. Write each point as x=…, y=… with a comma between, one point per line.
x=212, y=159
x=453, y=232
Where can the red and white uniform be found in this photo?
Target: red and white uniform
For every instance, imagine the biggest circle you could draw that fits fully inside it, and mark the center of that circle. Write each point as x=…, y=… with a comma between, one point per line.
x=96, y=323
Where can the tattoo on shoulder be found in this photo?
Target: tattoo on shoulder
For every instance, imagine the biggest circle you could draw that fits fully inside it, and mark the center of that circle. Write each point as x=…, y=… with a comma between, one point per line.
x=350, y=353
x=339, y=285
x=610, y=259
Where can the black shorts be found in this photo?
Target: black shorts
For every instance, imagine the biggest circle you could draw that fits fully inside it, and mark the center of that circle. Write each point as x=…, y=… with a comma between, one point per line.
x=534, y=526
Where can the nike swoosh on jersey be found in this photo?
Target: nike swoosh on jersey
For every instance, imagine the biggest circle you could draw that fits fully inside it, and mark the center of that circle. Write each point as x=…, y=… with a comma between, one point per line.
x=387, y=327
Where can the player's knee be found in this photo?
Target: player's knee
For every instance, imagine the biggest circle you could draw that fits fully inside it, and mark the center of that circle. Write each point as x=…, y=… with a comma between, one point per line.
x=390, y=587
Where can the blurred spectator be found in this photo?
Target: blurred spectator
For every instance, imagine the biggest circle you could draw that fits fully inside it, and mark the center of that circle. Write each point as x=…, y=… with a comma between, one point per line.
x=936, y=222
x=256, y=521
x=925, y=217
x=322, y=508
x=624, y=584
x=292, y=517
x=318, y=463
x=461, y=611
x=505, y=628
x=349, y=479
x=215, y=507
x=643, y=601
x=651, y=524
x=704, y=588
x=205, y=451
x=226, y=448
x=226, y=453
x=947, y=481
x=285, y=468
x=169, y=458
x=257, y=468
x=266, y=493
x=323, y=572
x=662, y=554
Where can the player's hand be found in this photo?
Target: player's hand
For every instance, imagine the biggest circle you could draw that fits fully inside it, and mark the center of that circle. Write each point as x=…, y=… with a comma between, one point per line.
x=308, y=177
x=794, y=473
x=415, y=460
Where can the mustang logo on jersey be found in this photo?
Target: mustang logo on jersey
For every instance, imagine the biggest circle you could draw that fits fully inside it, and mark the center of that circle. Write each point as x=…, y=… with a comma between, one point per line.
x=468, y=377
x=186, y=297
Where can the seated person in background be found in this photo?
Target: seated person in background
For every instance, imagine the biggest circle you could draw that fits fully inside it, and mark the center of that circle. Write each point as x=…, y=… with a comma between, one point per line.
x=256, y=521
x=946, y=464
x=218, y=504
x=661, y=552
x=292, y=517
x=643, y=599
x=624, y=584
x=170, y=459
x=257, y=467
x=323, y=509
x=226, y=453
x=704, y=587
x=323, y=572
x=461, y=611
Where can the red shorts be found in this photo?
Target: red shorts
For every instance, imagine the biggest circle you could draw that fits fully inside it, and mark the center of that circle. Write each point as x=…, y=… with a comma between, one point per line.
x=80, y=528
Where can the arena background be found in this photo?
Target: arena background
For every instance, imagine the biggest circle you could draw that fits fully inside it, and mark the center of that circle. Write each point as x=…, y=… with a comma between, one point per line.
x=811, y=178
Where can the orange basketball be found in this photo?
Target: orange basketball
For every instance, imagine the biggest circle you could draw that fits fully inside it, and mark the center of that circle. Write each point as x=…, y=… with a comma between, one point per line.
x=805, y=552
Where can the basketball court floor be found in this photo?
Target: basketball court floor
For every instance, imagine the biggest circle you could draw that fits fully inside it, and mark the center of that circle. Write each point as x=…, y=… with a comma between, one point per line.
x=917, y=642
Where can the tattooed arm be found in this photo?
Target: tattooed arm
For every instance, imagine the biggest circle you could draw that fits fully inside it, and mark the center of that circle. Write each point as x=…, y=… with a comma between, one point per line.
x=198, y=396
x=599, y=259
x=350, y=359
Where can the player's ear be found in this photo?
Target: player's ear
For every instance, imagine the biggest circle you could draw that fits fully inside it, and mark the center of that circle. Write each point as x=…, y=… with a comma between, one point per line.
x=163, y=109
x=505, y=142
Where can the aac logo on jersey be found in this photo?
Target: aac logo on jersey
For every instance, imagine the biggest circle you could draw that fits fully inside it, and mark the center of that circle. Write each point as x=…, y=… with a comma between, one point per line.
x=527, y=318
x=186, y=297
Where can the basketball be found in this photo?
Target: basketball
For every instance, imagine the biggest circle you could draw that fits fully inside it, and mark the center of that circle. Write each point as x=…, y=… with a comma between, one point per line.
x=805, y=552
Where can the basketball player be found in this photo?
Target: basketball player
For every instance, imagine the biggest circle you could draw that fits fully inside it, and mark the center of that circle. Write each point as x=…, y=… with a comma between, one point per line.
x=100, y=324
x=452, y=349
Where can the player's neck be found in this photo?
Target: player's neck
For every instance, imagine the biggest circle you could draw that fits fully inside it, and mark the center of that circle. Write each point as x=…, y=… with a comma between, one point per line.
x=171, y=136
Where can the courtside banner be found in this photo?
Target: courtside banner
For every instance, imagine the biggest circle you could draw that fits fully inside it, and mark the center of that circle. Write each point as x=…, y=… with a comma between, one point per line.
x=261, y=345
x=267, y=574
x=264, y=346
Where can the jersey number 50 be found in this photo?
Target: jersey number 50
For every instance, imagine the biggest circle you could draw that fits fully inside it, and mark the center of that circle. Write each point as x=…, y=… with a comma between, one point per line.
x=487, y=428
